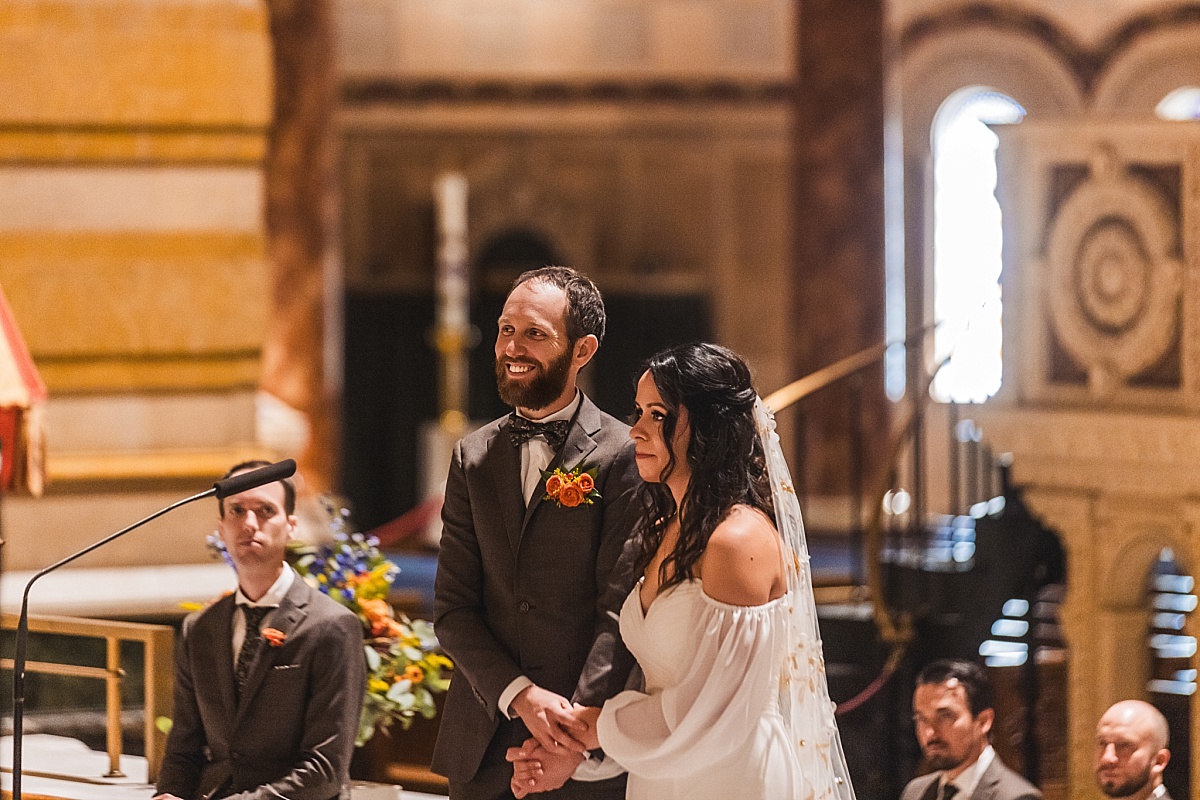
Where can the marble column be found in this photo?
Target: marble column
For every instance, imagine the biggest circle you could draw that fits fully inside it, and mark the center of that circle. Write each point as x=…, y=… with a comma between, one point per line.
x=839, y=230
x=300, y=367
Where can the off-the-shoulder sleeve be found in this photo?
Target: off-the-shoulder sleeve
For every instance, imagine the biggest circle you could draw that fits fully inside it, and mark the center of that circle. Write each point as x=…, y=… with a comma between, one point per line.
x=708, y=714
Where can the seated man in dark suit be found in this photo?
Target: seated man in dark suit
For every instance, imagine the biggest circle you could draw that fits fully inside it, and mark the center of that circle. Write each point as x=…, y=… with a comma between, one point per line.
x=953, y=714
x=1131, y=751
x=268, y=681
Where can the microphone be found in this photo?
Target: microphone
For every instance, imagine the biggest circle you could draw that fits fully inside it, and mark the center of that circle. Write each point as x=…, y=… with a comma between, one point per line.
x=245, y=481
x=224, y=488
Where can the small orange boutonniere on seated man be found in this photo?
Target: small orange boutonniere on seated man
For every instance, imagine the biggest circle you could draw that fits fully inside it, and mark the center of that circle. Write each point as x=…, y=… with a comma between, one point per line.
x=274, y=636
x=572, y=487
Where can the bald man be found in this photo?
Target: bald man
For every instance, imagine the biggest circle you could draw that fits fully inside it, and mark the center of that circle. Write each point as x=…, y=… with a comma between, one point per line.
x=1131, y=751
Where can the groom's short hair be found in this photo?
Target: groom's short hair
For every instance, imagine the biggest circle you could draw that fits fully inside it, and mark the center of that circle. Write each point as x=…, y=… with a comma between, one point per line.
x=968, y=674
x=585, y=306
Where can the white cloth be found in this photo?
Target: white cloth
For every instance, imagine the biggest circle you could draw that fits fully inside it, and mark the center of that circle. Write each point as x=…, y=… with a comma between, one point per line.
x=708, y=724
x=803, y=690
x=273, y=597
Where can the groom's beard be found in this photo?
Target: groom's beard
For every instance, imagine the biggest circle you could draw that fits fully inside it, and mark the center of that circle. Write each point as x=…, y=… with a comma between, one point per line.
x=546, y=385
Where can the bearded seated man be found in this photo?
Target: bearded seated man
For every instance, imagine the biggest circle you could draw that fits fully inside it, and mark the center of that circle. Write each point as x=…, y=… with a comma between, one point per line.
x=953, y=711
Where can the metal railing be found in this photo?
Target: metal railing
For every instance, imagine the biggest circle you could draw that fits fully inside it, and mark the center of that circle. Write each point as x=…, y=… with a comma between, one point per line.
x=158, y=642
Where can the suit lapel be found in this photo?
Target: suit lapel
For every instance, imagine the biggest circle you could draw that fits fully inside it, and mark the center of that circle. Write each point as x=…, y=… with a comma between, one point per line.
x=221, y=636
x=503, y=461
x=986, y=789
x=579, y=446
x=292, y=610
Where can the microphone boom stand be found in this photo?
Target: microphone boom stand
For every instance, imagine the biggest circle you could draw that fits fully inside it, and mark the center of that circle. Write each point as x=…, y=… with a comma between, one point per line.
x=23, y=634
x=234, y=484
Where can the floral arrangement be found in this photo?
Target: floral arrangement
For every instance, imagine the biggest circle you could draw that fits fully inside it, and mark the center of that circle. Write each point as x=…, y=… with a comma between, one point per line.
x=405, y=667
x=571, y=488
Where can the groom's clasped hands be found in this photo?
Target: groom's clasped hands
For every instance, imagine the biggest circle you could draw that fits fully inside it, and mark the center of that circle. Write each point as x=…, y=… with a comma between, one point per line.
x=547, y=761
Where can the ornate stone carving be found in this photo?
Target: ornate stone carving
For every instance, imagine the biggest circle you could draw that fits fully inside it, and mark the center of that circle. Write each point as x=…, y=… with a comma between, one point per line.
x=1114, y=280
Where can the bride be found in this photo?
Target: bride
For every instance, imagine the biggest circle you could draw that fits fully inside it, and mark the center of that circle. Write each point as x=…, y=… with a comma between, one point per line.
x=722, y=621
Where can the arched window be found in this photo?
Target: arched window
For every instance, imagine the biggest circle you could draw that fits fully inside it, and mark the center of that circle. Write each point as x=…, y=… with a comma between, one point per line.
x=1181, y=104
x=967, y=237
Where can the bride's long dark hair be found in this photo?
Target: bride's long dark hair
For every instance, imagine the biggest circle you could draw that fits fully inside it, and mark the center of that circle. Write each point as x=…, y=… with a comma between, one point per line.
x=724, y=453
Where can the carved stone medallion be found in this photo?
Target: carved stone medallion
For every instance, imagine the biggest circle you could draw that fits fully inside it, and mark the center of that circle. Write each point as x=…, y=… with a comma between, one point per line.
x=1115, y=281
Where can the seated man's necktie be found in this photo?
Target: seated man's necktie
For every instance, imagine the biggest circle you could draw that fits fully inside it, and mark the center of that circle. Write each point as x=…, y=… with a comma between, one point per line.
x=251, y=644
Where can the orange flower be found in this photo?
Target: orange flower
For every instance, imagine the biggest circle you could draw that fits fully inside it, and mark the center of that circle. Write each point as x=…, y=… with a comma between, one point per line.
x=570, y=488
x=570, y=495
x=375, y=610
x=414, y=673
x=274, y=636
x=378, y=615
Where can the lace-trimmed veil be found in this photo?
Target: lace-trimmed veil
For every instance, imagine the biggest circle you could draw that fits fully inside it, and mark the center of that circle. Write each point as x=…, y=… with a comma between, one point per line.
x=803, y=689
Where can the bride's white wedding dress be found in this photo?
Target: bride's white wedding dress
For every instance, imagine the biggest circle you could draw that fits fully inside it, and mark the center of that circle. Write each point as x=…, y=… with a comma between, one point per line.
x=736, y=703
x=708, y=724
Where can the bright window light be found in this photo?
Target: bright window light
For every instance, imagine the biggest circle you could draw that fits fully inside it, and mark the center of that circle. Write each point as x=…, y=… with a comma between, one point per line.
x=1181, y=104
x=1015, y=607
x=1012, y=628
x=966, y=243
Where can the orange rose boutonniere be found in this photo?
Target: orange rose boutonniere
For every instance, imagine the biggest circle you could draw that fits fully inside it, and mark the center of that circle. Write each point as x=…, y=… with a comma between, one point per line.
x=570, y=488
x=274, y=636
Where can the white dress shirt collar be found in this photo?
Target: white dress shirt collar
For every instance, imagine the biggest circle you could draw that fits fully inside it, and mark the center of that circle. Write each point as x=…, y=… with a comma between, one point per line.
x=968, y=779
x=274, y=595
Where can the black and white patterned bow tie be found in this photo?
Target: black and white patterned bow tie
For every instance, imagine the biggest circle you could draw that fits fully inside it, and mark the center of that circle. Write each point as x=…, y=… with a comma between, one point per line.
x=521, y=430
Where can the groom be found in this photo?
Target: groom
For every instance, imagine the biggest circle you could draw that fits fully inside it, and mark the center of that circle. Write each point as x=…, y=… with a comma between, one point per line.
x=528, y=585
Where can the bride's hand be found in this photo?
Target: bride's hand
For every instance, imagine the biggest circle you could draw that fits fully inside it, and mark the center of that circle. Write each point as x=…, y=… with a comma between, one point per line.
x=588, y=716
x=537, y=770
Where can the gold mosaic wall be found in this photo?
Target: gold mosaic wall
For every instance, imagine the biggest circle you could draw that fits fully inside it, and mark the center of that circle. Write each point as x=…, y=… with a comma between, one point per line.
x=133, y=252
x=131, y=141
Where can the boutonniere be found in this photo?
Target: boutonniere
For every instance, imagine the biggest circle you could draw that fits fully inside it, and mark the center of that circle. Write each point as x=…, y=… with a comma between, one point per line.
x=571, y=488
x=274, y=636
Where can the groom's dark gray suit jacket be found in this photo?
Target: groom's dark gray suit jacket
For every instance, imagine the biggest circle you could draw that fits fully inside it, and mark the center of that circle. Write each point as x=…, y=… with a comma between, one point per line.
x=530, y=591
x=291, y=731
